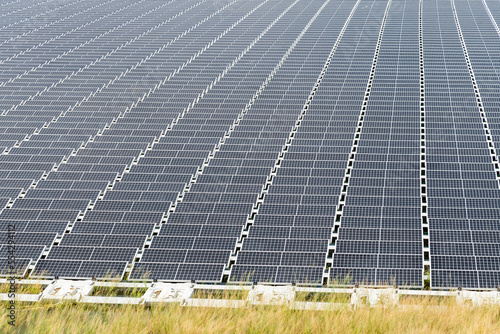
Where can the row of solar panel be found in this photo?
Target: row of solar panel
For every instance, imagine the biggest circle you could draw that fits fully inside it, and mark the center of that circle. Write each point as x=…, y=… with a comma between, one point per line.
x=441, y=234
x=270, y=110
x=87, y=215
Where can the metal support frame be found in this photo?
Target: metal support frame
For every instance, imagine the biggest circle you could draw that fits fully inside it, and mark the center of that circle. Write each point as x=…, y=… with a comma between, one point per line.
x=479, y=298
x=259, y=294
x=66, y=289
x=271, y=295
x=375, y=297
x=168, y=293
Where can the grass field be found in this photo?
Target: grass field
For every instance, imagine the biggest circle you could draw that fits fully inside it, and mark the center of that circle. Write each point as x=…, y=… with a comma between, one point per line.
x=430, y=316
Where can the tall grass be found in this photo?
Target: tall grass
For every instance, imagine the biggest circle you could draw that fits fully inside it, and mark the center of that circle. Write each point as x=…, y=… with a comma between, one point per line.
x=431, y=316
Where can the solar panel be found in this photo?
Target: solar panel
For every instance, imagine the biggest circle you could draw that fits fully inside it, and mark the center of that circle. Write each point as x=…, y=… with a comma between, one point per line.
x=452, y=265
x=281, y=141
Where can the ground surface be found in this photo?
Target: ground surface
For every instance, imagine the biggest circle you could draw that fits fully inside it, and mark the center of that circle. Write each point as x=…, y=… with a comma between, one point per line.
x=448, y=317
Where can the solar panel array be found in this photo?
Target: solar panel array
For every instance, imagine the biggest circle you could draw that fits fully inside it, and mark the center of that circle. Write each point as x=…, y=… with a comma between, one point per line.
x=282, y=141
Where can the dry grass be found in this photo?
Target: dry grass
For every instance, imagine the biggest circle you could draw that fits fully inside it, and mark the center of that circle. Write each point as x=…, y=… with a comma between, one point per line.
x=430, y=317
x=23, y=288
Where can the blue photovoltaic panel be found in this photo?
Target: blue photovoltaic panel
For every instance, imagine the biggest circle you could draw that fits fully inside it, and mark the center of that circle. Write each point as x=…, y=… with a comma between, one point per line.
x=310, y=141
x=305, y=219
x=459, y=164
x=482, y=39
x=382, y=202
